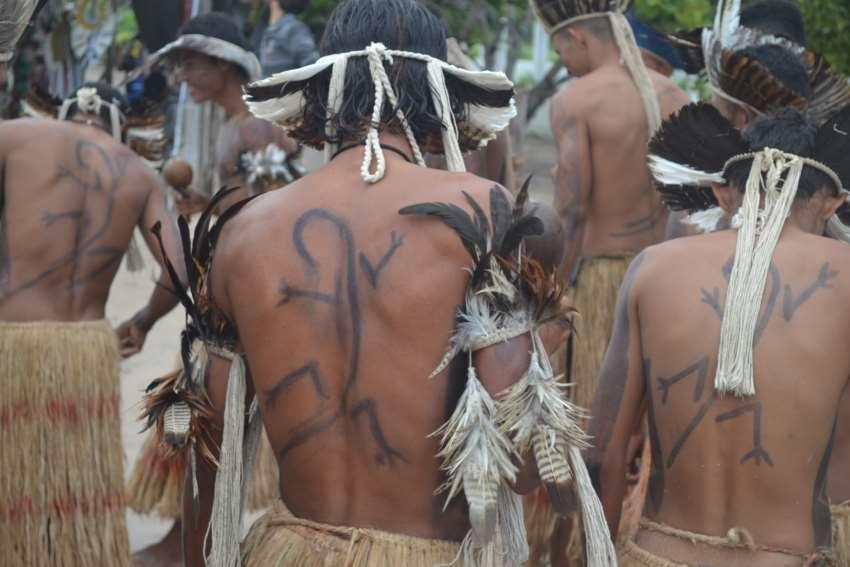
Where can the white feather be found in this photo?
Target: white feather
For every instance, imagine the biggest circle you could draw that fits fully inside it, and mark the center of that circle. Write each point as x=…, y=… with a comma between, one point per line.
x=706, y=221
x=668, y=172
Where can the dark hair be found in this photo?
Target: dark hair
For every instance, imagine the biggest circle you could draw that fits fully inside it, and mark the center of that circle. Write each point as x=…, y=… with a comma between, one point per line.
x=784, y=65
x=787, y=131
x=107, y=93
x=777, y=17
x=293, y=6
x=398, y=24
x=217, y=25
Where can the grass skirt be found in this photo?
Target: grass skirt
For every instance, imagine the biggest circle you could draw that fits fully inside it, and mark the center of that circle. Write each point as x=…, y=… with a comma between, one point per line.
x=62, y=481
x=279, y=539
x=841, y=534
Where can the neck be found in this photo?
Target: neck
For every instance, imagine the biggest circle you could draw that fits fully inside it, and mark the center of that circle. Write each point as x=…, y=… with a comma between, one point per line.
x=397, y=141
x=604, y=54
x=230, y=99
x=276, y=12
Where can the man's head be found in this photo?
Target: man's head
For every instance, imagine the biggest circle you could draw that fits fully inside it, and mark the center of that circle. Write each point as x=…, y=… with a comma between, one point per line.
x=405, y=25
x=578, y=43
x=205, y=70
x=744, y=79
x=817, y=197
x=781, y=18
x=96, y=104
x=291, y=6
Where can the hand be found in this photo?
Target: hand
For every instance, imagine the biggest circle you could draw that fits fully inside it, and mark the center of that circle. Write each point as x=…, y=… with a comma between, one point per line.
x=190, y=202
x=131, y=338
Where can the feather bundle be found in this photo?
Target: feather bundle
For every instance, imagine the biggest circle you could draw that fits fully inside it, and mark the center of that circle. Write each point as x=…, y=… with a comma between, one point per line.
x=688, y=154
x=167, y=398
x=509, y=295
x=746, y=79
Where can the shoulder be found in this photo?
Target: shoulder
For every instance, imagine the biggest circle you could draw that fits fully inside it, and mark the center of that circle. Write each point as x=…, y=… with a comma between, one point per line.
x=255, y=134
x=671, y=96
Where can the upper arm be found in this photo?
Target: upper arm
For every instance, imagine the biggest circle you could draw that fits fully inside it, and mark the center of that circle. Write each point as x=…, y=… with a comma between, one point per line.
x=573, y=177
x=156, y=211
x=621, y=387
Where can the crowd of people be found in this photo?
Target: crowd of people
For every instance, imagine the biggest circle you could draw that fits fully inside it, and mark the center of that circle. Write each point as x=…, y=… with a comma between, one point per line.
x=399, y=358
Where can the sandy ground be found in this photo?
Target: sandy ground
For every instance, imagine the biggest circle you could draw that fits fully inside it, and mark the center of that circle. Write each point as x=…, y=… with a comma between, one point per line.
x=131, y=291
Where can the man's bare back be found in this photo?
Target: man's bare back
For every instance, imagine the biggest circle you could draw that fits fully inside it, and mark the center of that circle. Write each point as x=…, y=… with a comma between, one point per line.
x=757, y=463
x=603, y=188
x=343, y=319
x=71, y=197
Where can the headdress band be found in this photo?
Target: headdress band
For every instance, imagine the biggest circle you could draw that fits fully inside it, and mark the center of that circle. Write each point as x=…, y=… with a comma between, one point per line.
x=729, y=98
x=377, y=55
x=88, y=101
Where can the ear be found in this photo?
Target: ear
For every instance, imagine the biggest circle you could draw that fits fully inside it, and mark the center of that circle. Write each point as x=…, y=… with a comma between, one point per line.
x=830, y=205
x=727, y=197
x=577, y=36
x=743, y=117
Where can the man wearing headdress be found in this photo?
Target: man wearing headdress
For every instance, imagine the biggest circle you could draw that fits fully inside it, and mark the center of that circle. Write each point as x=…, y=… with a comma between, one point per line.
x=71, y=195
x=211, y=56
x=655, y=48
x=338, y=297
x=741, y=439
x=601, y=122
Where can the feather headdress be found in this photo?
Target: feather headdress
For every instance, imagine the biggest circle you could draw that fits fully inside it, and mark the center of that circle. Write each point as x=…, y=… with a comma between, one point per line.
x=178, y=404
x=559, y=14
x=280, y=99
x=696, y=149
x=743, y=80
x=141, y=128
x=509, y=295
x=14, y=17
x=213, y=47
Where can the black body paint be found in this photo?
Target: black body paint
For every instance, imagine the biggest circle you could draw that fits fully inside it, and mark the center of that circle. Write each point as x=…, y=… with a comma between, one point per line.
x=656, y=477
x=790, y=305
x=641, y=225
x=758, y=453
x=86, y=178
x=349, y=326
x=821, y=516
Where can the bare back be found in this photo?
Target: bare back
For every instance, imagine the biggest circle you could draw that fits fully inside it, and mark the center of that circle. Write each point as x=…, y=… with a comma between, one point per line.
x=604, y=190
x=344, y=308
x=758, y=463
x=71, y=199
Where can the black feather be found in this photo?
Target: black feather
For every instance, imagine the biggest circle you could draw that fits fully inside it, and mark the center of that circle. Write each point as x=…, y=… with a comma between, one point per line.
x=688, y=44
x=698, y=136
x=501, y=215
x=481, y=221
x=522, y=228
x=522, y=198
x=179, y=287
x=455, y=218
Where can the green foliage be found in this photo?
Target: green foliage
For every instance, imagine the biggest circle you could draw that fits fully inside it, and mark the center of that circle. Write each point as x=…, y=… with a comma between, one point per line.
x=672, y=15
x=828, y=29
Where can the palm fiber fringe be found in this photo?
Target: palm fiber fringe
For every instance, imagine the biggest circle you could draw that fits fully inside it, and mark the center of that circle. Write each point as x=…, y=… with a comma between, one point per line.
x=841, y=533
x=62, y=490
x=279, y=539
x=264, y=487
x=633, y=556
x=595, y=300
x=156, y=483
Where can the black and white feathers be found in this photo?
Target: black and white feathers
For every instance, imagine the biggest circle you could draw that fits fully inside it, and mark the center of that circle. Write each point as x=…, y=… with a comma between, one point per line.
x=554, y=13
x=688, y=153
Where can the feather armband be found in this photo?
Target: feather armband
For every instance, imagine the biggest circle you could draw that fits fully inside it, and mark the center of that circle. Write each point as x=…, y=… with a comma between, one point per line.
x=509, y=295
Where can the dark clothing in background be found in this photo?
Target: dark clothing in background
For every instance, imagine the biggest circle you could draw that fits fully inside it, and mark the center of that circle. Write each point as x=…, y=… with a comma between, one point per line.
x=287, y=44
x=158, y=21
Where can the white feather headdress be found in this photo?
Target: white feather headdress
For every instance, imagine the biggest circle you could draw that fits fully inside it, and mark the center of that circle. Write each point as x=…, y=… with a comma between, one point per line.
x=214, y=47
x=280, y=99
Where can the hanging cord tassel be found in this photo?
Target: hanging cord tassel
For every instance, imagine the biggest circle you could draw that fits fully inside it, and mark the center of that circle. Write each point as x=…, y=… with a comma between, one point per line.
x=376, y=54
x=758, y=235
x=336, y=89
x=631, y=58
